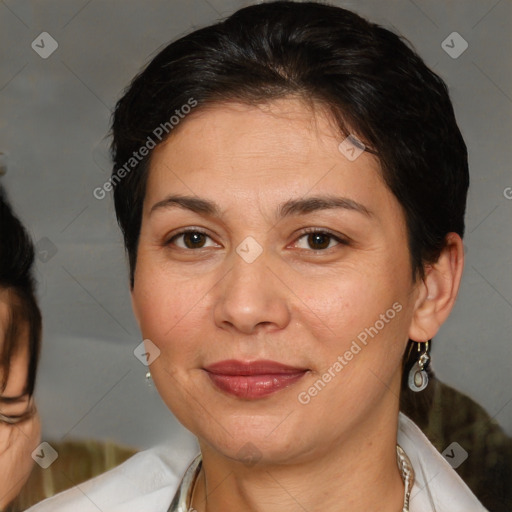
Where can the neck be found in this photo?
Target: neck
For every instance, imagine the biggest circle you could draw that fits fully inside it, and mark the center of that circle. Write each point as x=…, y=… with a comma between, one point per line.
x=359, y=473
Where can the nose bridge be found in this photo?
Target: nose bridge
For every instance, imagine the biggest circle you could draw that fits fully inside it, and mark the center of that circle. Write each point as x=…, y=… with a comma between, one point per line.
x=248, y=275
x=251, y=295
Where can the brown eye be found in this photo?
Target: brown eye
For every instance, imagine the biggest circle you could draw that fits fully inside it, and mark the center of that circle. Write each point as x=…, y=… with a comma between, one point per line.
x=194, y=240
x=190, y=239
x=319, y=241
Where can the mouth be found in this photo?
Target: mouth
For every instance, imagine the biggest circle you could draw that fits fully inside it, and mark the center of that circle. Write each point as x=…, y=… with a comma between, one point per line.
x=253, y=380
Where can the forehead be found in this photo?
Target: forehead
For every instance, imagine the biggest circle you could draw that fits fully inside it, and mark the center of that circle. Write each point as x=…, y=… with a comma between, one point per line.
x=284, y=145
x=301, y=127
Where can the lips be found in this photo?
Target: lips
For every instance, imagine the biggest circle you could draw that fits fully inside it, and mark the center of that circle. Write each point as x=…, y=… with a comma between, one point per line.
x=252, y=380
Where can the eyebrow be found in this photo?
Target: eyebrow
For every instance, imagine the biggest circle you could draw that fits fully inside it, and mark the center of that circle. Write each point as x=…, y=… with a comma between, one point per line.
x=194, y=204
x=301, y=206
x=315, y=203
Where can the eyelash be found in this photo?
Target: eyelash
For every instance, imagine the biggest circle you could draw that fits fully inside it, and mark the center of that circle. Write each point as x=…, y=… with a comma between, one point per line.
x=307, y=231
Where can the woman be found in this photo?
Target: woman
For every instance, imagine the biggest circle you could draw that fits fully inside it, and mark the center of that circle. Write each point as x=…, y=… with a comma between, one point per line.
x=291, y=186
x=20, y=339
x=21, y=482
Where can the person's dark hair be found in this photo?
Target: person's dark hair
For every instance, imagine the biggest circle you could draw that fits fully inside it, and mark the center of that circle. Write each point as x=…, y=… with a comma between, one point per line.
x=17, y=283
x=374, y=85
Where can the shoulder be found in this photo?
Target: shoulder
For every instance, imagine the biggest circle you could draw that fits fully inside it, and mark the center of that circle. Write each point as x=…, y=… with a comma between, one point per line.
x=437, y=486
x=147, y=481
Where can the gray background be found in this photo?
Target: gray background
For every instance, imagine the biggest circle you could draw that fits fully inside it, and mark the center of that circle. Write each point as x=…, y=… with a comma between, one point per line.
x=54, y=118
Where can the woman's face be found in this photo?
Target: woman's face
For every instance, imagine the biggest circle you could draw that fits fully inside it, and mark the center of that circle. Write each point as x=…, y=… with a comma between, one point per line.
x=19, y=440
x=252, y=283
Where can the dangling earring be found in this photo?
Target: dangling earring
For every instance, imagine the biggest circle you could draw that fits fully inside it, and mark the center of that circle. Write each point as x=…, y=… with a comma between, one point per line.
x=149, y=379
x=418, y=377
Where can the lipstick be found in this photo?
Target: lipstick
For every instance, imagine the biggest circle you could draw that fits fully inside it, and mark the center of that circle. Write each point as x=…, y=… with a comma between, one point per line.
x=252, y=380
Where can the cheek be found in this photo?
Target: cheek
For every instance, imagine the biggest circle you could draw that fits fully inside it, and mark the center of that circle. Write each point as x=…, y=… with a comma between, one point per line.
x=362, y=317
x=347, y=302
x=168, y=309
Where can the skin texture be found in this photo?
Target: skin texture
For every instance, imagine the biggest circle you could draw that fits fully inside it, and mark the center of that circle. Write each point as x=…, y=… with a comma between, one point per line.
x=16, y=441
x=297, y=304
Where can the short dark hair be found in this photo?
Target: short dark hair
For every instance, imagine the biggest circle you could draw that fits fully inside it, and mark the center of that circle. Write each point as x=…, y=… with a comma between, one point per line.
x=16, y=278
x=370, y=79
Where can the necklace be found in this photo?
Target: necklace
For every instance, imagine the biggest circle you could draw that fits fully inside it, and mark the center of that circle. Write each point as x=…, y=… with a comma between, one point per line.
x=407, y=473
x=184, y=497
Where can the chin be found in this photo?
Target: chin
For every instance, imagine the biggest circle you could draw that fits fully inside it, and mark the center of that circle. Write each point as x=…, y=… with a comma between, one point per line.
x=250, y=442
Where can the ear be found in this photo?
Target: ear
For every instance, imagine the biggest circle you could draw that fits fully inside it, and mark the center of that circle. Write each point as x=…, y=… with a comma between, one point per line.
x=438, y=290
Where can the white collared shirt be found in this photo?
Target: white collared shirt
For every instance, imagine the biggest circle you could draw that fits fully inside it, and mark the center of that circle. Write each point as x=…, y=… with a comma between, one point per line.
x=152, y=479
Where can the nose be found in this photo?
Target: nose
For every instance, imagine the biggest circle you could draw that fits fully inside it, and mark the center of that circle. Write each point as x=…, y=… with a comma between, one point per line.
x=251, y=297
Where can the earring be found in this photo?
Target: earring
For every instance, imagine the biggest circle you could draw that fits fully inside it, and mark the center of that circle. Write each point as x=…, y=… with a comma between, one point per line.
x=418, y=377
x=149, y=379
